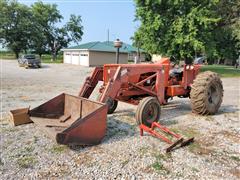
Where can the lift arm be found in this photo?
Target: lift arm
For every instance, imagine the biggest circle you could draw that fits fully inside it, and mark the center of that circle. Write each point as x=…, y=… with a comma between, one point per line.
x=91, y=82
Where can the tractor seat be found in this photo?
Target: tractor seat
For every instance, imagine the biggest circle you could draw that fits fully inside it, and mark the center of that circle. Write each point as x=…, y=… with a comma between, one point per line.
x=176, y=72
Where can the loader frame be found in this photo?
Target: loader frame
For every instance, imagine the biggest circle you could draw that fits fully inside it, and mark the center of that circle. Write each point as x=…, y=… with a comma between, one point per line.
x=130, y=83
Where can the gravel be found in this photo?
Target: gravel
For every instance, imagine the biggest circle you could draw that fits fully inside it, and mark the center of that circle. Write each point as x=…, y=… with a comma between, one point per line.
x=26, y=152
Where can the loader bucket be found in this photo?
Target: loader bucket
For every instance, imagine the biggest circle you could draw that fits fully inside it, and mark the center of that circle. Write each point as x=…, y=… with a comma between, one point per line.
x=72, y=120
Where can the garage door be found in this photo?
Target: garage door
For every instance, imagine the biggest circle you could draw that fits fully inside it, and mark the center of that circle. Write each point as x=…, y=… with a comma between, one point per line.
x=75, y=58
x=67, y=58
x=84, y=61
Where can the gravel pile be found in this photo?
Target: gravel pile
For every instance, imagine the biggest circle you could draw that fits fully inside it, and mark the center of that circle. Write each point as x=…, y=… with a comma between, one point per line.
x=26, y=151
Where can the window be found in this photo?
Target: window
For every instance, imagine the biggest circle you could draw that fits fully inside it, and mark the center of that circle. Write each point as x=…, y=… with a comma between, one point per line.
x=83, y=54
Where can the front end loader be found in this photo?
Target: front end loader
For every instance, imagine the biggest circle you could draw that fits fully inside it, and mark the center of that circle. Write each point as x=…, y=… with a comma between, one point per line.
x=78, y=120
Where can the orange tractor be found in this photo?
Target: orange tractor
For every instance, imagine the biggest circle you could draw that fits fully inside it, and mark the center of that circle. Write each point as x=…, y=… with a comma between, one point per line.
x=150, y=85
x=77, y=120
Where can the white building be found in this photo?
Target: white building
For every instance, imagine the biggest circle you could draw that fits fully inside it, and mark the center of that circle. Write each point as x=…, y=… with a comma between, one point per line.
x=99, y=53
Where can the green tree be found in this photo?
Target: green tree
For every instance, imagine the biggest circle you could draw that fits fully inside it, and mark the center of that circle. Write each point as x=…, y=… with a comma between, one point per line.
x=227, y=31
x=15, y=25
x=75, y=28
x=38, y=41
x=36, y=27
x=182, y=28
x=46, y=17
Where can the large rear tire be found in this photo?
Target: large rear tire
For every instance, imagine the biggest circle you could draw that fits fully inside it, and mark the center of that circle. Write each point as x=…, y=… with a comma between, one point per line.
x=148, y=111
x=206, y=93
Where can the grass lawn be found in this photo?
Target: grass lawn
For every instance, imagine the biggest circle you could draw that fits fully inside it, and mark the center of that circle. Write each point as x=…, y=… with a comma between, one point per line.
x=224, y=71
x=6, y=55
x=46, y=58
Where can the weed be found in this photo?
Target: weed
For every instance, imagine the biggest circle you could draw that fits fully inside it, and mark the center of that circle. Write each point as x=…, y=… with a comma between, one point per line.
x=209, y=118
x=159, y=167
x=187, y=133
x=235, y=158
x=195, y=169
x=190, y=132
x=158, y=164
x=143, y=151
x=196, y=148
x=179, y=174
x=26, y=161
x=8, y=130
x=58, y=149
x=124, y=163
x=28, y=149
x=163, y=156
x=35, y=139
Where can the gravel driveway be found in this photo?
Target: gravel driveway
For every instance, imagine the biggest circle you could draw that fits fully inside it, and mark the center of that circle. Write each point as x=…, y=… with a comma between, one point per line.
x=26, y=152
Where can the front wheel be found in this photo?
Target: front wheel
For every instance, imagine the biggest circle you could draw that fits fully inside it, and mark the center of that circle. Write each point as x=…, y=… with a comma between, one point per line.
x=112, y=105
x=148, y=111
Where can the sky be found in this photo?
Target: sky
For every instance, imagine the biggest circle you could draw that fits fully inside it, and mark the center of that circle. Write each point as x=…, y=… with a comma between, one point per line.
x=98, y=16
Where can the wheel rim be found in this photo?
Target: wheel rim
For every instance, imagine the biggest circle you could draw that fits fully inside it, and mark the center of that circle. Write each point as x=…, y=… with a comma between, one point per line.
x=150, y=113
x=213, y=95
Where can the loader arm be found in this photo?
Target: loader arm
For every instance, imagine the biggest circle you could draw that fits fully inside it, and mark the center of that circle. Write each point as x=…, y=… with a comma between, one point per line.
x=91, y=82
x=113, y=86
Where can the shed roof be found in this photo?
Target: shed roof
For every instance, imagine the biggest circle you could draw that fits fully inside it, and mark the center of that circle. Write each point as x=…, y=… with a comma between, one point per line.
x=106, y=46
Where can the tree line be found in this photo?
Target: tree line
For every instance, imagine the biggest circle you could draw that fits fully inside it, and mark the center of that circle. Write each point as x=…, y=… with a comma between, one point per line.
x=186, y=29
x=37, y=28
x=183, y=29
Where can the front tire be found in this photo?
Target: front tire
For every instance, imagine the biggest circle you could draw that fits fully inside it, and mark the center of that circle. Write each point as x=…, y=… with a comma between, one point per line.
x=206, y=93
x=148, y=111
x=112, y=105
